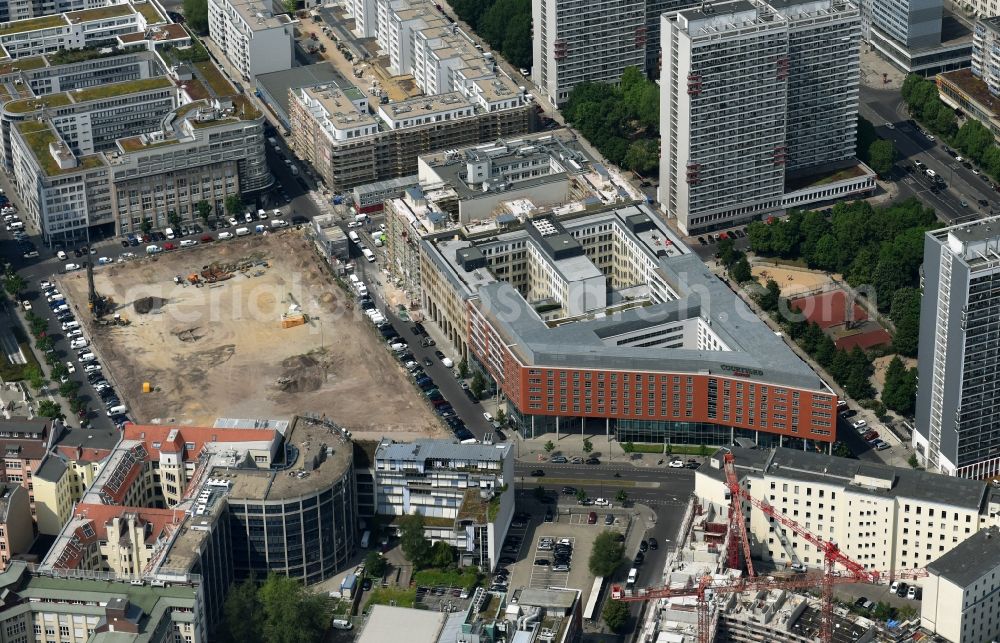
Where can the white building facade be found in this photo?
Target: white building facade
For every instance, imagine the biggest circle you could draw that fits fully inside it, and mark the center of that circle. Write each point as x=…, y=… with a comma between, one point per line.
x=253, y=39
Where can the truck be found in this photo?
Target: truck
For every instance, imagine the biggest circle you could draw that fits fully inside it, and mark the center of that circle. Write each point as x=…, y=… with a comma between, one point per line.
x=369, y=255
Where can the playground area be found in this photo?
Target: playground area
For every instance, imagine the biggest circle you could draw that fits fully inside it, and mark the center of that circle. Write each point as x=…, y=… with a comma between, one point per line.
x=844, y=320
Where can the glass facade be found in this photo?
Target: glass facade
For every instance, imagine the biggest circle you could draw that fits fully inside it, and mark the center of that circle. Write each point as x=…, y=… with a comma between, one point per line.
x=310, y=538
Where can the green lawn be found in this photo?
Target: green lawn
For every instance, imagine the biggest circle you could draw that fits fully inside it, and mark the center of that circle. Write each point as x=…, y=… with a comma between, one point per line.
x=676, y=449
x=446, y=578
x=392, y=596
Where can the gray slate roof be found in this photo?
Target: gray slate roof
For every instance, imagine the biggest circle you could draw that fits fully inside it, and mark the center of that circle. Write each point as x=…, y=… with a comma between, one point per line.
x=818, y=467
x=51, y=469
x=976, y=556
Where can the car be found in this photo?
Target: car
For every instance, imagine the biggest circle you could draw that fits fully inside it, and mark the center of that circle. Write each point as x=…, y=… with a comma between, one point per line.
x=538, y=473
x=79, y=342
x=70, y=368
x=639, y=557
x=692, y=464
x=654, y=544
x=861, y=601
x=592, y=460
x=232, y=221
x=487, y=416
x=224, y=235
x=560, y=567
x=912, y=591
x=558, y=459
x=60, y=255
x=702, y=241
x=859, y=424
x=975, y=171
x=603, y=502
x=798, y=567
x=890, y=126
x=30, y=254
x=849, y=413
x=499, y=435
x=675, y=464
x=542, y=562
x=366, y=585
x=439, y=354
x=963, y=203
x=643, y=546
x=549, y=517
x=899, y=588
x=428, y=361
x=569, y=491
x=609, y=519
x=92, y=368
x=26, y=305
x=871, y=434
x=929, y=136
x=592, y=518
x=585, y=502
x=984, y=203
x=881, y=445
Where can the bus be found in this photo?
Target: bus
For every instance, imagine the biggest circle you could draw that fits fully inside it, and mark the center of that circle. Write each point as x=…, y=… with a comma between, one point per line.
x=592, y=600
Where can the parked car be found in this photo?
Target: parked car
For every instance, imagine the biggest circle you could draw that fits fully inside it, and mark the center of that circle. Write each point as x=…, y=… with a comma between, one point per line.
x=538, y=473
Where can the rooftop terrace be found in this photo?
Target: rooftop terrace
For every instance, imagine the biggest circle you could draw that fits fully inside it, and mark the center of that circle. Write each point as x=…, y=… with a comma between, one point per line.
x=38, y=136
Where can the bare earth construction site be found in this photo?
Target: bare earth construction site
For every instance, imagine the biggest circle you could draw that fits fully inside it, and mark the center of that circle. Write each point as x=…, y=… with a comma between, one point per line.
x=220, y=350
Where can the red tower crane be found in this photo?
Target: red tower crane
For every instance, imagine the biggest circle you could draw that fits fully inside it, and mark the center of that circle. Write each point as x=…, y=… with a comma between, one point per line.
x=852, y=572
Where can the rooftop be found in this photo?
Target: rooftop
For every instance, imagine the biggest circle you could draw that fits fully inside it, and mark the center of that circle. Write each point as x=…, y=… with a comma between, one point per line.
x=895, y=482
x=100, y=13
x=257, y=15
x=422, y=450
x=149, y=12
x=31, y=24
x=23, y=64
x=97, y=92
x=384, y=623
x=974, y=88
x=970, y=560
x=214, y=78
x=977, y=243
x=277, y=84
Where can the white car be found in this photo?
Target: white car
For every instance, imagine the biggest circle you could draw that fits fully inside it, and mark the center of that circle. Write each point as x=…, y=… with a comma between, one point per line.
x=353, y=224
x=676, y=464
x=70, y=267
x=859, y=424
x=79, y=342
x=602, y=502
x=76, y=332
x=56, y=296
x=232, y=221
x=486, y=414
x=70, y=368
x=960, y=159
x=890, y=126
x=90, y=368
x=224, y=235
x=45, y=284
x=62, y=308
x=26, y=304
x=61, y=255
x=88, y=357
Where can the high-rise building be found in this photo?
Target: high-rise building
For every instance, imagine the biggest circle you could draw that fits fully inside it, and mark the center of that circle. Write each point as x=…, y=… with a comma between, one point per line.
x=958, y=420
x=579, y=41
x=909, y=34
x=753, y=94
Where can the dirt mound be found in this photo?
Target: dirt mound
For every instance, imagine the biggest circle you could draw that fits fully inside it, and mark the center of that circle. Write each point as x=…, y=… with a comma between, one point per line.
x=301, y=374
x=148, y=304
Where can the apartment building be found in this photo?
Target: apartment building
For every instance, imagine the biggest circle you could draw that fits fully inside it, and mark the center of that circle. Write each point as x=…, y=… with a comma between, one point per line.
x=465, y=492
x=986, y=53
x=957, y=430
x=961, y=594
x=48, y=607
x=24, y=443
x=652, y=346
x=17, y=532
x=886, y=518
x=252, y=38
x=754, y=95
x=84, y=28
x=349, y=145
x=654, y=11
x=580, y=41
x=60, y=481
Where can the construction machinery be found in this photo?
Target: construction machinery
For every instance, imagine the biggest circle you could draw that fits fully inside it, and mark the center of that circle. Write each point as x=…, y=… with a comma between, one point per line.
x=851, y=572
x=99, y=305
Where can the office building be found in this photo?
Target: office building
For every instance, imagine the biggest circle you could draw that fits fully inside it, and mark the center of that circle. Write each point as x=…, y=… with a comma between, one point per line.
x=580, y=41
x=957, y=429
x=602, y=318
x=754, y=97
x=350, y=145
x=56, y=607
x=911, y=34
x=886, y=518
x=252, y=38
x=84, y=28
x=975, y=90
x=465, y=492
x=961, y=594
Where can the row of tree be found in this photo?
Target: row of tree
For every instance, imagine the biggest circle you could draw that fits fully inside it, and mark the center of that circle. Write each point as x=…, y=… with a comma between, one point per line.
x=879, y=250
x=621, y=121
x=878, y=153
x=418, y=549
x=900, y=390
x=504, y=24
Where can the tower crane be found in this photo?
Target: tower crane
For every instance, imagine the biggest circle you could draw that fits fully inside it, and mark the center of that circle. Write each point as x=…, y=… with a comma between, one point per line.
x=851, y=572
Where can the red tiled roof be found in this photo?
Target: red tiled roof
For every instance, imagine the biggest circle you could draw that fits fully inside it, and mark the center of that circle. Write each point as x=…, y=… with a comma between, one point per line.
x=100, y=517
x=196, y=435
x=82, y=454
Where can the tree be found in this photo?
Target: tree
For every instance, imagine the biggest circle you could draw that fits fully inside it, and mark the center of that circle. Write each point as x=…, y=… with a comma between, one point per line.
x=703, y=450
x=882, y=611
x=442, y=554
x=59, y=371
x=289, y=6
x=501, y=417
x=291, y=614
x=174, y=219
x=463, y=368
x=881, y=156
x=621, y=497
x=643, y=156
x=414, y=543
x=204, y=209
x=913, y=461
x=741, y=272
x=588, y=446
x=478, y=384
x=549, y=447
x=234, y=204
x=44, y=342
x=905, y=314
x=49, y=409
x=726, y=252
x=900, y=390
x=628, y=447
x=768, y=299
x=37, y=324
x=581, y=495
x=14, y=284
x=375, y=564
x=196, y=15
x=146, y=226
x=33, y=374
x=616, y=615
x=68, y=388
x=606, y=554
x=242, y=616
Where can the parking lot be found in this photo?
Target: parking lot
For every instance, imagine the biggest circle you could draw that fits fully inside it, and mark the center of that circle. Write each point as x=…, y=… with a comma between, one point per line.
x=567, y=522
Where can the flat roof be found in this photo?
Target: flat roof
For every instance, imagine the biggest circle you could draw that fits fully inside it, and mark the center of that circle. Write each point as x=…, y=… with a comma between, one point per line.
x=420, y=450
x=257, y=15
x=31, y=24
x=548, y=598
x=84, y=95
x=975, y=557
x=100, y=13
x=386, y=624
x=307, y=437
x=277, y=84
x=974, y=88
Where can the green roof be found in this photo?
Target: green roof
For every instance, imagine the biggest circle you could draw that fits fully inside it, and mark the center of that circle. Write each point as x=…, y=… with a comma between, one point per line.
x=100, y=13
x=149, y=12
x=141, y=595
x=214, y=79
x=24, y=64
x=38, y=136
x=88, y=94
x=31, y=24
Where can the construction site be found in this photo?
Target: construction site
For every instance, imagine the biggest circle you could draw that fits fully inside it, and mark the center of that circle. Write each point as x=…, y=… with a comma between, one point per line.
x=252, y=327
